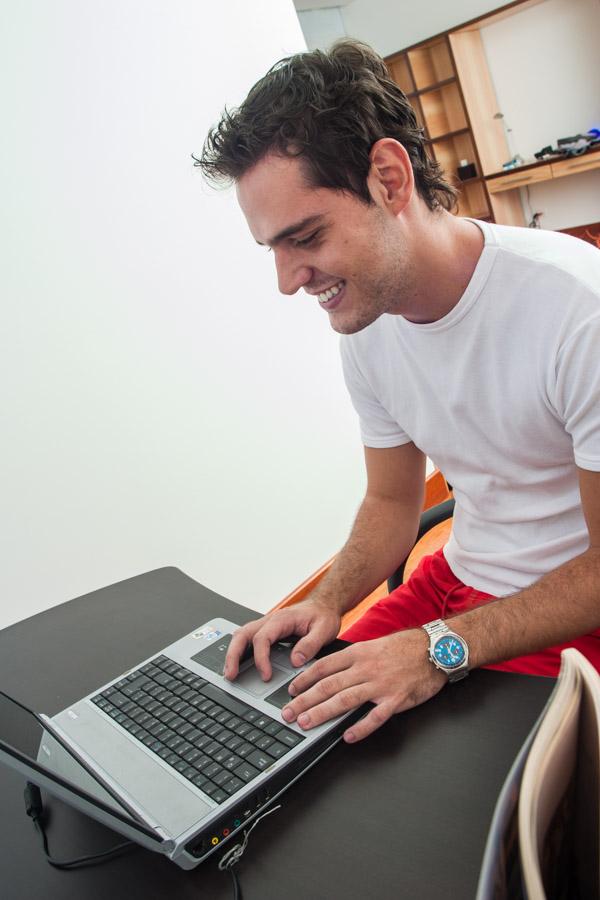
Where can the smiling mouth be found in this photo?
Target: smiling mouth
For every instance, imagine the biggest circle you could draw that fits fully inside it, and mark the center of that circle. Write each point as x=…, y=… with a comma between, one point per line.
x=330, y=298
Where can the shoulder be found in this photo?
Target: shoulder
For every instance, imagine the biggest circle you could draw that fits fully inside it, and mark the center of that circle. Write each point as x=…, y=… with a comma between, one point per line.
x=550, y=253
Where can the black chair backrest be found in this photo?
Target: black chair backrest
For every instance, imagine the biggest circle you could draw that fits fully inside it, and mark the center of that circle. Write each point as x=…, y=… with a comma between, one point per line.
x=432, y=516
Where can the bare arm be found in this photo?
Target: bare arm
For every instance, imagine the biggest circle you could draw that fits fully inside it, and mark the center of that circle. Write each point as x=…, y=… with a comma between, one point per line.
x=394, y=672
x=562, y=605
x=382, y=535
x=384, y=530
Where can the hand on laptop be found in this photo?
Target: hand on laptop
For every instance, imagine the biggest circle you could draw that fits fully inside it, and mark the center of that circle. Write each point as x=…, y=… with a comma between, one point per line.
x=393, y=672
x=315, y=623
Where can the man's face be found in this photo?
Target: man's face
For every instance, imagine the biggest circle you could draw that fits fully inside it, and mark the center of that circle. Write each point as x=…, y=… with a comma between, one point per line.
x=343, y=252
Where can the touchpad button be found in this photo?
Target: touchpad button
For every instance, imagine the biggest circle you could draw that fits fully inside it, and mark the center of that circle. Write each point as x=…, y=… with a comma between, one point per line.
x=251, y=681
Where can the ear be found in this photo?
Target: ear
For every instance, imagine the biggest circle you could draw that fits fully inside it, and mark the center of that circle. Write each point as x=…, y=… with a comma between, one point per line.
x=391, y=181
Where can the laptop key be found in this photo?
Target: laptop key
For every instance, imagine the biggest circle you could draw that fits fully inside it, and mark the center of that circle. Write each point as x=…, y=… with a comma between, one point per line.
x=272, y=728
x=233, y=785
x=244, y=749
x=221, y=777
x=225, y=699
x=289, y=737
x=264, y=742
x=277, y=750
x=246, y=772
x=262, y=722
x=231, y=762
x=221, y=755
x=214, y=730
x=192, y=755
x=212, y=770
x=261, y=760
x=220, y=796
x=184, y=748
x=119, y=699
x=234, y=723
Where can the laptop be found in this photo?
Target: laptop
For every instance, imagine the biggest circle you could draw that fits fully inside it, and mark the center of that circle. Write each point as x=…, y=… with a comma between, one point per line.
x=171, y=754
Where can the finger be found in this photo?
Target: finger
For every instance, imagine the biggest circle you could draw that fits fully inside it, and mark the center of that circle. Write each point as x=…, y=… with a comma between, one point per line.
x=340, y=701
x=308, y=646
x=323, y=668
x=369, y=723
x=272, y=630
x=239, y=641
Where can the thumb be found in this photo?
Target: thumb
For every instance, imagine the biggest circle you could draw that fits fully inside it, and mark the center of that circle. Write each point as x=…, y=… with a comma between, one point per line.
x=306, y=648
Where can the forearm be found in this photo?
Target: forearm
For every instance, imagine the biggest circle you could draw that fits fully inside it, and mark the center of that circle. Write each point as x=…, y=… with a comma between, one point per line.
x=383, y=534
x=562, y=605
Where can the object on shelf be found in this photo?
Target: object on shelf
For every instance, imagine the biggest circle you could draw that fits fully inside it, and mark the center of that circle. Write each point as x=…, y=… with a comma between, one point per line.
x=516, y=158
x=465, y=170
x=513, y=163
x=571, y=146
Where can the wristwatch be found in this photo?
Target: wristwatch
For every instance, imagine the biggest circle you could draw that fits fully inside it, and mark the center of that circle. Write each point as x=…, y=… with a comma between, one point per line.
x=447, y=650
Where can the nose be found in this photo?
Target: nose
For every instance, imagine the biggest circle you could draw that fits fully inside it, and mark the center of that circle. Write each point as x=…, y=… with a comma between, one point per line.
x=291, y=274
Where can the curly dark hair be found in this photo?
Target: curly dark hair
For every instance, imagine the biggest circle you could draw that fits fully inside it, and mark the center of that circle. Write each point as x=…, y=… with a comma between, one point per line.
x=327, y=108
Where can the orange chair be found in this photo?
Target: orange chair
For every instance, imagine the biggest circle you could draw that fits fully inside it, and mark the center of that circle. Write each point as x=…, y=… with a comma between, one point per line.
x=434, y=530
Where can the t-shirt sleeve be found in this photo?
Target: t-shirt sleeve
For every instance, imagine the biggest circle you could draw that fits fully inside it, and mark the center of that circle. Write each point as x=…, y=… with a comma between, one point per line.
x=577, y=396
x=377, y=427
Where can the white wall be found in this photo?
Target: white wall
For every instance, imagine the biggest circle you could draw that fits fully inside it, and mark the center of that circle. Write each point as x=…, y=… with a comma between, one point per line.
x=161, y=404
x=390, y=25
x=321, y=27
x=544, y=66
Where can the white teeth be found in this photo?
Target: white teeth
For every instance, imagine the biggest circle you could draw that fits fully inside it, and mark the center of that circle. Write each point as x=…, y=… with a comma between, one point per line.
x=330, y=292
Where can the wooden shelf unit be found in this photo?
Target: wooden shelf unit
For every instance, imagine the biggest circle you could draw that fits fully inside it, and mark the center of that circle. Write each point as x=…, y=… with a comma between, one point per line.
x=428, y=75
x=447, y=81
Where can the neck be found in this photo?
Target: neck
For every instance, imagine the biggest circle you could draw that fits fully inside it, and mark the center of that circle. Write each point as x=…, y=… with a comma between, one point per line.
x=446, y=252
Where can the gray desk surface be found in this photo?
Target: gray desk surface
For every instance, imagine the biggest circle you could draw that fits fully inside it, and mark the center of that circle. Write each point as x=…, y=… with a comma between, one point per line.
x=403, y=814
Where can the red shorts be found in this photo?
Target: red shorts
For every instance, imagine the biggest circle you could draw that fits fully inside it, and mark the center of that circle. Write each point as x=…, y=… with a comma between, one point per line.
x=434, y=592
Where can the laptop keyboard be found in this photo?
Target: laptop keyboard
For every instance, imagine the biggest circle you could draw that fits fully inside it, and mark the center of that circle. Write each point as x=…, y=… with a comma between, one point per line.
x=217, y=742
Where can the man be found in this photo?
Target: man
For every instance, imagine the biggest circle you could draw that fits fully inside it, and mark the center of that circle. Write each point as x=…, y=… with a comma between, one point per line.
x=477, y=345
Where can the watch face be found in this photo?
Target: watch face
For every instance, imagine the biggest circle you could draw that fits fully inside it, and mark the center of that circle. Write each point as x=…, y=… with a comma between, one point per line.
x=449, y=651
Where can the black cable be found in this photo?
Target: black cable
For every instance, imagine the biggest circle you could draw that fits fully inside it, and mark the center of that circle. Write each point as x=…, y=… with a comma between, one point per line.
x=237, y=890
x=233, y=855
x=35, y=810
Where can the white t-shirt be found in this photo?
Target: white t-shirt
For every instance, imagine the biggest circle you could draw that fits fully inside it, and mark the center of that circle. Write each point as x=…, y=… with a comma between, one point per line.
x=503, y=394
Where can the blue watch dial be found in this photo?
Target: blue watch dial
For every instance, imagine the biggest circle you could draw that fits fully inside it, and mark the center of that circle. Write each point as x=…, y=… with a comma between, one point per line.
x=449, y=651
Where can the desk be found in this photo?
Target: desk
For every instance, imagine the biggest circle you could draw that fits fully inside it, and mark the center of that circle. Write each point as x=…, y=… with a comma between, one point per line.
x=523, y=176
x=373, y=820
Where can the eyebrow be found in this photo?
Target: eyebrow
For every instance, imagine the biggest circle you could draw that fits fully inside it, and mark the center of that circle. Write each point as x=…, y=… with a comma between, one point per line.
x=292, y=229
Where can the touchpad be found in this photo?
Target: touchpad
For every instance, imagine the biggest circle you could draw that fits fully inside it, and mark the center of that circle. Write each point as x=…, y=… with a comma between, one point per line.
x=251, y=681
